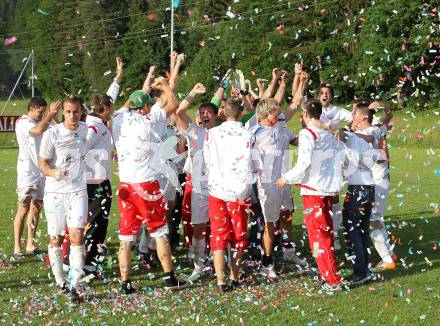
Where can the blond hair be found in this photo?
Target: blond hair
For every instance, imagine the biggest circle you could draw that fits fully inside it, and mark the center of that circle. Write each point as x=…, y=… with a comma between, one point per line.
x=265, y=107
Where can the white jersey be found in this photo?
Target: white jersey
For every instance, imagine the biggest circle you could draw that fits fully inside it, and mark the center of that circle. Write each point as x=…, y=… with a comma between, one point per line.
x=99, y=151
x=272, y=144
x=379, y=169
x=318, y=169
x=358, y=171
x=228, y=156
x=137, y=138
x=195, y=164
x=66, y=150
x=333, y=115
x=28, y=145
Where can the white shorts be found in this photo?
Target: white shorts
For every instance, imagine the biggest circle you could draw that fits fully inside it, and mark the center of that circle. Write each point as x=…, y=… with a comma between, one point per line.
x=271, y=198
x=63, y=210
x=30, y=185
x=287, y=202
x=199, y=207
x=381, y=190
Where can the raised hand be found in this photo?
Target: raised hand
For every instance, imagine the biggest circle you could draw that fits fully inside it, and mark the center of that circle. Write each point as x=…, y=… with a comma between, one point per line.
x=199, y=88
x=54, y=108
x=152, y=70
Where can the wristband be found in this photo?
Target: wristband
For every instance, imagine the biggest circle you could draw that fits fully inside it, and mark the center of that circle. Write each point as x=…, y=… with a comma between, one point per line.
x=189, y=98
x=216, y=102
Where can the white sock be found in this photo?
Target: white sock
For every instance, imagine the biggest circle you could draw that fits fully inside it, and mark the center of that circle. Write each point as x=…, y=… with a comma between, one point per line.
x=76, y=259
x=145, y=239
x=56, y=263
x=198, y=248
x=379, y=237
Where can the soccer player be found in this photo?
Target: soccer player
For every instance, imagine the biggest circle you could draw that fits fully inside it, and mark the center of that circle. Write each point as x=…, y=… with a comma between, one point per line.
x=332, y=116
x=195, y=169
x=228, y=158
x=378, y=233
x=61, y=160
x=98, y=171
x=139, y=139
x=359, y=199
x=319, y=174
x=30, y=182
x=271, y=142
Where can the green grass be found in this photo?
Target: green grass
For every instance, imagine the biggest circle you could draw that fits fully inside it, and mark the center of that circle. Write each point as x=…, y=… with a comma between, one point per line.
x=406, y=296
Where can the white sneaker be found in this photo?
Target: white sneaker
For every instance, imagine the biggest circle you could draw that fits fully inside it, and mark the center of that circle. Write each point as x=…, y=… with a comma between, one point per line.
x=291, y=257
x=269, y=272
x=337, y=244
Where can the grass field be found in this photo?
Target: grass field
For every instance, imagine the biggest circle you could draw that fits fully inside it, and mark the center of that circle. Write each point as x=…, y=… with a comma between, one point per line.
x=409, y=295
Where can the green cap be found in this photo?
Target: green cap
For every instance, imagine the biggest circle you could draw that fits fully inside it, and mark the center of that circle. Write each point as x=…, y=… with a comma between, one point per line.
x=138, y=99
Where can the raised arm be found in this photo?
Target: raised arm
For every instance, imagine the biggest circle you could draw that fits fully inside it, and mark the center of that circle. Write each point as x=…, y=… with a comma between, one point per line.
x=268, y=93
x=296, y=80
x=261, y=87
x=387, y=113
x=45, y=122
x=297, y=98
x=150, y=77
x=175, y=70
x=113, y=90
x=183, y=119
x=279, y=96
x=250, y=90
x=168, y=98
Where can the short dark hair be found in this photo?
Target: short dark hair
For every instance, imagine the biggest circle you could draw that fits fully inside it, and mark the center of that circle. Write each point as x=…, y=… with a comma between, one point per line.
x=326, y=85
x=313, y=108
x=361, y=103
x=36, y=102
x=368, y=113
x=73, y=100
x=209, y=105
x=233, y=107
x=99, y=101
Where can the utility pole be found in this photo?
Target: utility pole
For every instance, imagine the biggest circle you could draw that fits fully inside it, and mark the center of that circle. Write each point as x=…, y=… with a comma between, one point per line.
x=32, y=73
x=172, y=26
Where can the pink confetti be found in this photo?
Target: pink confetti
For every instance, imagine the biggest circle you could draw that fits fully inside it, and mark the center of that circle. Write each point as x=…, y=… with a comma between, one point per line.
x=422, y=60
x=11, y=40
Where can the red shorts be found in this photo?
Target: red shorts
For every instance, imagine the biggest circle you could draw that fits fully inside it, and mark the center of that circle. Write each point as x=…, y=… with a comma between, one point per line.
x=140, y=203
x=228, y=224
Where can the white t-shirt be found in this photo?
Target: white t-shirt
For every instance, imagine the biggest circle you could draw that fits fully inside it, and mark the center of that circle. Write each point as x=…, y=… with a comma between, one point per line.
x=358, y=170
x=379, y=169
x=333, y=115
x=195, y=163
x=272, y=144
x=228, y=156
x=140, y=141
x=66, y=150
x=28, y=145
x=99, y=151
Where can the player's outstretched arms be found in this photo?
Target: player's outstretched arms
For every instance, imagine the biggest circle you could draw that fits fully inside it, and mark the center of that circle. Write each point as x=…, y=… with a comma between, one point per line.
x=183, y=119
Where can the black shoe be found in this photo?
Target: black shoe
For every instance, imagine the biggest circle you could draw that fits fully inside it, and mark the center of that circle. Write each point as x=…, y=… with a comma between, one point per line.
x=64, y=289
x=234, y=284
x=173, y=284
x=223, y=288
x=359, y=280
x=74, y=296
x=127, y=287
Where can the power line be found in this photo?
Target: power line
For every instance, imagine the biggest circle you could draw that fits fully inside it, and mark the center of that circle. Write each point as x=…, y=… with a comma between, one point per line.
x=99, y=21
x=124, y=36
x=134, y=33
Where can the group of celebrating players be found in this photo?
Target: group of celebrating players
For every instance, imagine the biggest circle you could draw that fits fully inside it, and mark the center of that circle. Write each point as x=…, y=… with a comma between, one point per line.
x=217, y=175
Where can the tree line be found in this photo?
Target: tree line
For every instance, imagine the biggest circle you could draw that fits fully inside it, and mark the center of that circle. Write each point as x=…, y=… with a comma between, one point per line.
x=364, y=48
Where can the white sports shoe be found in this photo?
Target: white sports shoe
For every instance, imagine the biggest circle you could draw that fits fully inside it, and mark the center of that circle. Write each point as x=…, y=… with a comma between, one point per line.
x=291, y=257
x=269, y=272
